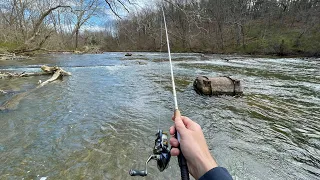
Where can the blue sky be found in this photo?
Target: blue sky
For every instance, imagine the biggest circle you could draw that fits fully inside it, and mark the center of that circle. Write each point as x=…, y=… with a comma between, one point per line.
x=98, y=23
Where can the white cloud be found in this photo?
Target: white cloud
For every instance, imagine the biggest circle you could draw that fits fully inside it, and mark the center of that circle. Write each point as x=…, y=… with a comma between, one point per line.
x=94, y=28
x=134, y=7
x=141, y=4
x=4, y=6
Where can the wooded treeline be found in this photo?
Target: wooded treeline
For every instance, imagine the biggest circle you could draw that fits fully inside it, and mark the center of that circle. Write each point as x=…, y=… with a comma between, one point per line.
x=281, y=27
x=33, y=25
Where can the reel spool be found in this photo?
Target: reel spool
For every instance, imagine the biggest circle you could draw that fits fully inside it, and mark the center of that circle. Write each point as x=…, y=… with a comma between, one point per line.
x=161, y=154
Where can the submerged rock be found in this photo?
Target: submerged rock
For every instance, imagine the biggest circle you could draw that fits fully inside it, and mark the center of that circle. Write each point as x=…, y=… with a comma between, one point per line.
x=217, y=86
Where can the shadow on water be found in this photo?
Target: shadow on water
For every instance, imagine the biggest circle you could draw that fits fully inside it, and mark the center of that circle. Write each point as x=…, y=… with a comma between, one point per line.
x=100, y=122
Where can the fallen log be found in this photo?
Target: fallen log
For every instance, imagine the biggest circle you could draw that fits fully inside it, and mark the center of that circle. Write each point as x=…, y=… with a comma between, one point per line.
x=3, y=92
x=217, y=86
x=12, y=56
x=13, y=103
x=4, y=75
x=46, y=70
x=54, y=77
x=51, y=70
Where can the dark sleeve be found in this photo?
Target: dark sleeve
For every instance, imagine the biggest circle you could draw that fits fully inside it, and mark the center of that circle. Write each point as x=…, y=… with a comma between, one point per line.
x=218, y=173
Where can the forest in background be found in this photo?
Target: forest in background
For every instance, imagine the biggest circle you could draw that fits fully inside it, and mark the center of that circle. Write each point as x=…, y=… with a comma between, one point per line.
x=269, y=27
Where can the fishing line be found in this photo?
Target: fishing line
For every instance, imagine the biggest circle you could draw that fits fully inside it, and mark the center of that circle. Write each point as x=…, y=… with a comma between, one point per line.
x=160, y=72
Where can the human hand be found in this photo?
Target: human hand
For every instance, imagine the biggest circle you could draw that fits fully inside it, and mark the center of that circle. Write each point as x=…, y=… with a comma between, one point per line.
x=193, y=145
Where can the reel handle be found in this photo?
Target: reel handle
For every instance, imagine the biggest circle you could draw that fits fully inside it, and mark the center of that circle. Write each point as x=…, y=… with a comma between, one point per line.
x=133, y=172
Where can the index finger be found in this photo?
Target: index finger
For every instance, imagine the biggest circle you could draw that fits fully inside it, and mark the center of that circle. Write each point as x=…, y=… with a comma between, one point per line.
x=172, y=130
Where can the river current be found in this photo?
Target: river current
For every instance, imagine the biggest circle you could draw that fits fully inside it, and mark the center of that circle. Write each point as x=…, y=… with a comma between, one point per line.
x=101, y=121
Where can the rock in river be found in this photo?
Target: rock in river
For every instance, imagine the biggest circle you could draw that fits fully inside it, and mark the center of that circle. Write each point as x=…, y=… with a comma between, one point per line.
x=217, y=86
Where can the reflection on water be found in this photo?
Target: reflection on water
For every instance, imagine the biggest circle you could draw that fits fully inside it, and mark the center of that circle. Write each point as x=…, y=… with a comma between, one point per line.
x=100, y=122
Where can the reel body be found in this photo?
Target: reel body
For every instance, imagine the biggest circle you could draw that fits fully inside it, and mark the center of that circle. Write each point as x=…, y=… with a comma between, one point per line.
x=161, y=153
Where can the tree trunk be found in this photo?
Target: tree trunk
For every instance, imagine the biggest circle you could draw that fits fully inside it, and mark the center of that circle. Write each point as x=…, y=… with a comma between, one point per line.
x=77, y=36
x=36, y=32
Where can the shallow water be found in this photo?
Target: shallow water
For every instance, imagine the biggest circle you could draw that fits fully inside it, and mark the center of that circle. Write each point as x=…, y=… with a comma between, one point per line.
x=100, y=122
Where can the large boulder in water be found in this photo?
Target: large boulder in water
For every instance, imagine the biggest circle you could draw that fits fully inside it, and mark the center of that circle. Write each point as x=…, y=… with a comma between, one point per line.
x=217, y=86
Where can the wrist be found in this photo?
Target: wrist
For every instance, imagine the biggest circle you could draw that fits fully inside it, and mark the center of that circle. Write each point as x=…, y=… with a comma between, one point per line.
x=205, y=164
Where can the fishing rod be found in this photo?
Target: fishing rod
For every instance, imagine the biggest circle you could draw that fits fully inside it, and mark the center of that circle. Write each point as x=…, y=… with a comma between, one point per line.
x=181, y=159
x=161, y=152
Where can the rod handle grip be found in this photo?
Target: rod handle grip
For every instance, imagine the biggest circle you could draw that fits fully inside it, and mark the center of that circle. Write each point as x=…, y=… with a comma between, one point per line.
x=181, y=159
x=176, y=113
x=183, y=166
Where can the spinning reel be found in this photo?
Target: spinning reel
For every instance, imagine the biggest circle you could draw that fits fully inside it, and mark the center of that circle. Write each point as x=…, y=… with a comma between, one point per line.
x=161, y=154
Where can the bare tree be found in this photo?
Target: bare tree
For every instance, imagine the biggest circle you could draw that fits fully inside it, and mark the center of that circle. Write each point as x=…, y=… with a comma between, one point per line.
x=29, y=16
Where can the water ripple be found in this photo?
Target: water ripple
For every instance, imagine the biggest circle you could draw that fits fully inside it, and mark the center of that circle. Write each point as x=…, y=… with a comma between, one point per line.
x=100, y=122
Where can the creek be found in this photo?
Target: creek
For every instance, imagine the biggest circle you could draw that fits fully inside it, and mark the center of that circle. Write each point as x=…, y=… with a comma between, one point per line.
x=101, y=121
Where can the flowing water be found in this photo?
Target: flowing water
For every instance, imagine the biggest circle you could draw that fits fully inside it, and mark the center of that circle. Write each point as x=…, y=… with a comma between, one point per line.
x=101, y=121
